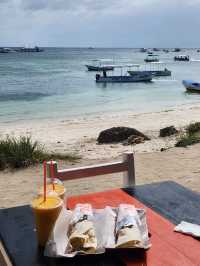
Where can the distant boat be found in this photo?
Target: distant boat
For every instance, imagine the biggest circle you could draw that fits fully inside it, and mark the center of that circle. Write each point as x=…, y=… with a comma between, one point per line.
x=182, y=58
x=191, y=86
x=100, y=65
x=35, y=49
x=139, y=77
x=156, y=49
x=177, y=50
x=99, y=68
x=154, y=69
x=143, y=50
x=166, y=50
x=151, y=58
x=4, y=50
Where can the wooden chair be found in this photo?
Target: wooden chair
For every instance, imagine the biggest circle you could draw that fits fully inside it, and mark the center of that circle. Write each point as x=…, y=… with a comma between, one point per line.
x=126, y=165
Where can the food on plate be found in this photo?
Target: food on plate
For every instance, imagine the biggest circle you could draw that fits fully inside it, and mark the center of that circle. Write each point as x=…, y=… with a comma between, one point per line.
x=81, y=234
x=127, y=231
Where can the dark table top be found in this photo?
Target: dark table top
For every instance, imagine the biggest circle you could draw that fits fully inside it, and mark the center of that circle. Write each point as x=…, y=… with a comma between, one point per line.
x=17, y=234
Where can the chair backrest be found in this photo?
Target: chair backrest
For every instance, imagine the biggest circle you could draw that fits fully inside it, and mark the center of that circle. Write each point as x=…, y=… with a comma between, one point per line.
x=126, y=165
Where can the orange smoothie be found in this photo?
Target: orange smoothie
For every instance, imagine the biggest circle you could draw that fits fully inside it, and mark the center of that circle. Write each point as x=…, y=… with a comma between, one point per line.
x=45, y=214
x=59, y=190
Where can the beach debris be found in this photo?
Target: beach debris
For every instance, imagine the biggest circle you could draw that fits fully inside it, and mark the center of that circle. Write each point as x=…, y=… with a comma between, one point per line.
x=133, y=140
x=168, y=131
x=164, y=149
x=119, y=134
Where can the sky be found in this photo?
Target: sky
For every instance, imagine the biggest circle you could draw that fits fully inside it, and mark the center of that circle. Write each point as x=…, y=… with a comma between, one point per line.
x=100, y=23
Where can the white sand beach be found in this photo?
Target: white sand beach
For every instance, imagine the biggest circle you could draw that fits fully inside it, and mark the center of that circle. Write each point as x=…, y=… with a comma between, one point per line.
x=79, y=136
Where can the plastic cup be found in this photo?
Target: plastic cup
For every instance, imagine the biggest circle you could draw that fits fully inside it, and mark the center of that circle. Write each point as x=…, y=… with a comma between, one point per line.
x=59, y=190
x=46, y=213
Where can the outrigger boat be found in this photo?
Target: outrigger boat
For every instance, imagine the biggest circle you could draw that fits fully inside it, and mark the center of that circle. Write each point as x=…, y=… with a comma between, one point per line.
x=191, y=86
x=138, y=77
x=153, y=69
x=100, y=65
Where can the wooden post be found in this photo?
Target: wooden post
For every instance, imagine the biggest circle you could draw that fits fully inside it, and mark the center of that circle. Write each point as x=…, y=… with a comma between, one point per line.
x=55, y=169
x=129, y=176
x=4, y=259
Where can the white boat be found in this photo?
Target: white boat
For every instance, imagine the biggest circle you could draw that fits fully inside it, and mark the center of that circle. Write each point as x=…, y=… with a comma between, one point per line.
x=100, y=65
x=151, y=58
x=191, y=86
x=123, y=78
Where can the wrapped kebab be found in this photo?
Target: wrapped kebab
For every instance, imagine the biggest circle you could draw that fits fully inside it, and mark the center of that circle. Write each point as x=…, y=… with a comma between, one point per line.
x=128, y=234
x=81, y=234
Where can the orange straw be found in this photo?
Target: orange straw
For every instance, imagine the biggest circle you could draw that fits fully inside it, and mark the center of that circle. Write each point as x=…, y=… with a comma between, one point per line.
x=45, y=179
x=52, y=174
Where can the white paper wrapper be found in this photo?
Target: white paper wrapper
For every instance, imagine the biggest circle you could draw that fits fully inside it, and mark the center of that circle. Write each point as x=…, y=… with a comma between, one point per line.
x=104, y=223
x=188, y=228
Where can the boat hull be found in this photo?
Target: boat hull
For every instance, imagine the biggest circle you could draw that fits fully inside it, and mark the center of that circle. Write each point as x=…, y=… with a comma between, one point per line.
x=123, y=79
x=151, y=60
x=191, y=86
x=158, y=73
x=182, y=59
x=99, y=68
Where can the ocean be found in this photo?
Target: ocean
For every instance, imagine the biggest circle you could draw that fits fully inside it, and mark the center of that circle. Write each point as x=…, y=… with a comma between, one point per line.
x=55, y=84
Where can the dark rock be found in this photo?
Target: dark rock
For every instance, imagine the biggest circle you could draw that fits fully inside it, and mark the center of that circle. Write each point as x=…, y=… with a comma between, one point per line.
x=118, y=134
x=133, y=139
x=168, y=131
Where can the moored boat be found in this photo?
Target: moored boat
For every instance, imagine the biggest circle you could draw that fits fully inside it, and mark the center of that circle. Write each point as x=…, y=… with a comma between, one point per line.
x=182, y=58
x=176, y=50
x=151, y=58
x=191, y=86
x=35, y=49
x=143, y=50
x=154, y=69
x=123, y=78
x=154, y=73
x=99, y=68
x=100, y=65
x=4, y=50
x=166, y=50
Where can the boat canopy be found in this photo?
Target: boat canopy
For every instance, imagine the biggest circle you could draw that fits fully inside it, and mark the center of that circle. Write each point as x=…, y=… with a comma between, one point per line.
x=104, y=60
x=125, y=65
x=183, y=55
x=152, y=55
x=158, y=63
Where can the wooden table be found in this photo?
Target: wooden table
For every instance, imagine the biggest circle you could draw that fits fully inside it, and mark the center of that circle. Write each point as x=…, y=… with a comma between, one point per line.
x=167, y=203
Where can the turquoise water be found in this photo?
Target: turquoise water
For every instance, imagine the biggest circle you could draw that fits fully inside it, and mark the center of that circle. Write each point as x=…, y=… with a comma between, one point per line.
x=55, y=84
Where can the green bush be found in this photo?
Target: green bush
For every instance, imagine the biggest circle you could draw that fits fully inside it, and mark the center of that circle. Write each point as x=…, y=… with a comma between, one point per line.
x=193, y=128
x=187, y=140
x=23, y=152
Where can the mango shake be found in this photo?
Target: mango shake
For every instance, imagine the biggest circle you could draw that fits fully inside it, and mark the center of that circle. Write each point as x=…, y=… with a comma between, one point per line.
x=46, y=213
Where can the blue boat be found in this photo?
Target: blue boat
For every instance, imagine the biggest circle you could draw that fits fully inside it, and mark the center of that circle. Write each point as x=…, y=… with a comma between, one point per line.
x=191, y=86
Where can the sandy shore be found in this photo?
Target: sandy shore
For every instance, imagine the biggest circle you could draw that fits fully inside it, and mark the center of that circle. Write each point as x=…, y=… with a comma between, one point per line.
x=79, y=136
